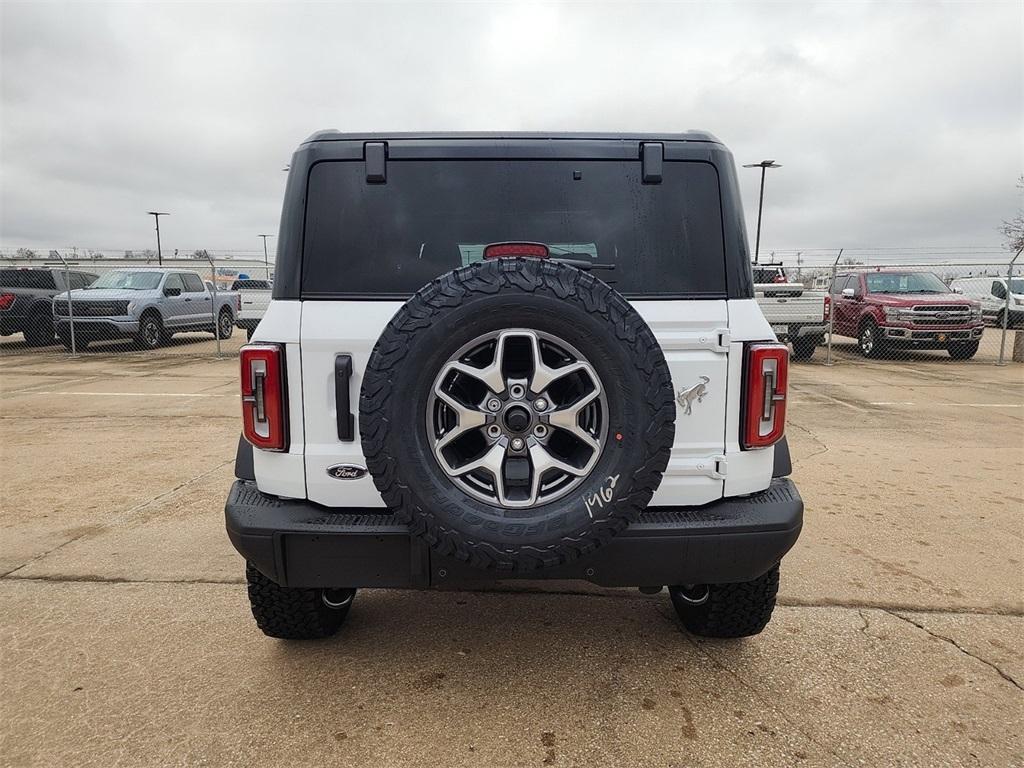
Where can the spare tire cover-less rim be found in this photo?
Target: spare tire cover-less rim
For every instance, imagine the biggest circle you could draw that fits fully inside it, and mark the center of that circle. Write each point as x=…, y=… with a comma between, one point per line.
x=461, y=449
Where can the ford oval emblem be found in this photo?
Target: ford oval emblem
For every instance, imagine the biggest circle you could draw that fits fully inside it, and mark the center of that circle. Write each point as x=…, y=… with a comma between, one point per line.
x=346, y=471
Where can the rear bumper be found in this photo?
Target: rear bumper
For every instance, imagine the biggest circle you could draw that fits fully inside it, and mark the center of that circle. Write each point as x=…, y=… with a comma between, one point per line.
x=9, y=325
x=301, y=544
x=791, y=331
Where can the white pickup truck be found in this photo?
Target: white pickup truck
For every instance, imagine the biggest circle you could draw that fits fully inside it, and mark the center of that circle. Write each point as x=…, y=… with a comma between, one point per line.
x=255, y=300
x=796, y=314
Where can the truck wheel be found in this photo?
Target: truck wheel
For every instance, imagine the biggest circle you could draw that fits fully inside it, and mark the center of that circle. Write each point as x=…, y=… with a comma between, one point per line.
x=964, y=351
x=65, y=339
x=151, y=331
x=1001, y=316
x=39, y=330
x=517, y=414
x=225, y=324
x=727, y=610
x=869, y=340
x=292, y=613
x=803, y=347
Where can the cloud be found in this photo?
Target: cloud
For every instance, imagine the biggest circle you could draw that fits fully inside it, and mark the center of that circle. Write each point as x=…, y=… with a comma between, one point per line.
x=896, y=124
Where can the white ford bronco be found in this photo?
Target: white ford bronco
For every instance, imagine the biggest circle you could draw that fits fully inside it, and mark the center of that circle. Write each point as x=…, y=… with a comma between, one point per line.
x=516, y=356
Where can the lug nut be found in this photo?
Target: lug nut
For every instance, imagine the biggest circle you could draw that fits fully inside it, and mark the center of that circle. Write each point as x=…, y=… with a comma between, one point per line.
x=540, y=404
x=517, y=443
x=540, y=430
x=517, y=391
x=494, y=430
x=493, y=404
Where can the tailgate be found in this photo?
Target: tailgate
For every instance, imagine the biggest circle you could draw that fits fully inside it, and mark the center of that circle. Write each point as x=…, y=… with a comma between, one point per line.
x=797, y=306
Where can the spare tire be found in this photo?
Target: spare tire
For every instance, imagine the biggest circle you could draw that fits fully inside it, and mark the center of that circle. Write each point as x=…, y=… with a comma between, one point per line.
x=517, y=414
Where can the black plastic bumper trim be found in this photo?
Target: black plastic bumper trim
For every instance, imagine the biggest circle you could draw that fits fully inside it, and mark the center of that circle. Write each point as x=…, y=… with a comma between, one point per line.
x=783, y=466
x=301, y=544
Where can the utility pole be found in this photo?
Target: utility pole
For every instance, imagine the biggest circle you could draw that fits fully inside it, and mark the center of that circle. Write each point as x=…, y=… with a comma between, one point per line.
x=156, y=215
x=763, y=165
x=266, y=258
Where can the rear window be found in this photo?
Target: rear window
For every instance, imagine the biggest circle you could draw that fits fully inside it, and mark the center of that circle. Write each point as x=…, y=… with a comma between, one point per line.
x=432, y=216
x=192, y=282
x=27, y=278
x=250, y=285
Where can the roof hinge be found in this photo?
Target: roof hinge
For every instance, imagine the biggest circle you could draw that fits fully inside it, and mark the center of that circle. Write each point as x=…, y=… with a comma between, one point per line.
x=375, y=155
x=652, y=156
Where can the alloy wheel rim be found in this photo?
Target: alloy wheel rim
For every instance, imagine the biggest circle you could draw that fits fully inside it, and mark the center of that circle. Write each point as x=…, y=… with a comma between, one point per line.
x=517, y=418
x=867, y=340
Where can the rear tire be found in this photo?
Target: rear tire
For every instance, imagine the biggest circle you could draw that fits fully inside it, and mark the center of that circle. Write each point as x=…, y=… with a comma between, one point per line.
x=964, y=351
x=729, y=610
x=39, y=331
x=292, y=613
x=225, y=324
x=803, y=347
x=80, y=343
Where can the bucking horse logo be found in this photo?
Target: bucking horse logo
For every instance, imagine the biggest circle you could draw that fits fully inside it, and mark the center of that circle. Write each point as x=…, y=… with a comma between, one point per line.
x=696, y=393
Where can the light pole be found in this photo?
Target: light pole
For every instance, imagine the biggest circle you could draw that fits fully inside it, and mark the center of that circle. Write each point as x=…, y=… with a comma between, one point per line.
x=266, y=259
x=763, y=165
x=156, y=215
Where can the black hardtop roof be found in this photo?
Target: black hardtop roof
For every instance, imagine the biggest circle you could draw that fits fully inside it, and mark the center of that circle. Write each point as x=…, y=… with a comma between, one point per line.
x=335, y=135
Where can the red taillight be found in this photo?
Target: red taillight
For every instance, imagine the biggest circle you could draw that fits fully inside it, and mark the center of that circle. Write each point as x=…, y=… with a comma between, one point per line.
x=238, y=302
x=264, y=409
x=779, y=279
x=6, y=300
x=504, y=250
x=767, y=375
x=828, y=306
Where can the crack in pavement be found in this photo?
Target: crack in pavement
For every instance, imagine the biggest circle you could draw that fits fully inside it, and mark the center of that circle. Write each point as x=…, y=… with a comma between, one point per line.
x=863, y=630
x=121, y=518
x=859, y=607
x=88, y=579
x=824, y=446
x=768, y=703
x=1006, y=676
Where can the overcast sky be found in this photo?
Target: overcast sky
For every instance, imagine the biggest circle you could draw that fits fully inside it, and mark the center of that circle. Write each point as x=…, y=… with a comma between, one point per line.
x=897, y=124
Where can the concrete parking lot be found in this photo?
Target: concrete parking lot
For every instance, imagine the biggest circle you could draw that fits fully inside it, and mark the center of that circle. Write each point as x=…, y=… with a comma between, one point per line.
x=125, y=636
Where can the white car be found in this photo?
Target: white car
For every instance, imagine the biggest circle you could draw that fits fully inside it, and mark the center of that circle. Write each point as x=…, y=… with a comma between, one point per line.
x=990, y=292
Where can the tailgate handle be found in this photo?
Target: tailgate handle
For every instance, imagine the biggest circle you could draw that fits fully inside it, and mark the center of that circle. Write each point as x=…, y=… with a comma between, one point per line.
x=342, y=379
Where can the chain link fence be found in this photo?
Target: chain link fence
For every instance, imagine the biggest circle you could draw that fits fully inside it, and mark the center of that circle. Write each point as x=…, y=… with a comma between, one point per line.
x=68, y=306
x=925, y=313
x=910, y=309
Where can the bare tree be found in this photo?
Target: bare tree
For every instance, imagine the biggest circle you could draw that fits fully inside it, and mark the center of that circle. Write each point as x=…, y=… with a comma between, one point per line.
x=1013, y=229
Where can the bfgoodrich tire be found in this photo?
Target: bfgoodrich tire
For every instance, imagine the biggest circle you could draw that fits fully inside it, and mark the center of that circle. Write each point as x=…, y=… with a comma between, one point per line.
x=292, y=613
x=523, y=300
x=727, y=610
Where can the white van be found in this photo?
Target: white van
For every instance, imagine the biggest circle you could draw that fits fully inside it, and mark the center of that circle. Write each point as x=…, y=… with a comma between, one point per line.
x=991, y=293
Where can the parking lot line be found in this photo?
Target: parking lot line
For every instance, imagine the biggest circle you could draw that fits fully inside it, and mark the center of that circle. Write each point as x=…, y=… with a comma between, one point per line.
x=963, y=405
x=131, y=394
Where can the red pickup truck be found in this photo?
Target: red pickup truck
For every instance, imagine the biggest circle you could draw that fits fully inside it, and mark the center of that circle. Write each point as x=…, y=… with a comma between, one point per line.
x=890, y=310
